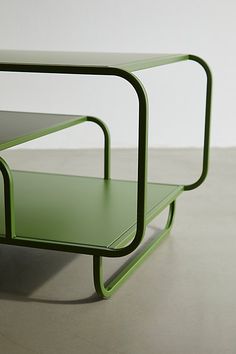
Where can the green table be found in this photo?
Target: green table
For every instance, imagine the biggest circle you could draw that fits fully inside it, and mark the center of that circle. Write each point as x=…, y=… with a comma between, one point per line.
x=102, y=217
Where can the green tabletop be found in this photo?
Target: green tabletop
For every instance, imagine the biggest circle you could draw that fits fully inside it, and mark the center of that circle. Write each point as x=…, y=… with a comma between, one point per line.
x=81, y=210
x=127, y=61
x=20, y=127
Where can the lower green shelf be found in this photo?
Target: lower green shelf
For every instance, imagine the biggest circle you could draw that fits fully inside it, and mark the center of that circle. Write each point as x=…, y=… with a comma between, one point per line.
x=81, y=210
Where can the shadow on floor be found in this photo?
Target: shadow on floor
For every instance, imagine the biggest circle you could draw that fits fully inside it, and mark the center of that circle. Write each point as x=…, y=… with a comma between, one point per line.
x=86, y=300
x=23, y=270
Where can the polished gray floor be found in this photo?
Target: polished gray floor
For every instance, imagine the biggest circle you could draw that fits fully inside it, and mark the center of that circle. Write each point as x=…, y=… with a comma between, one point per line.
x=182, y=300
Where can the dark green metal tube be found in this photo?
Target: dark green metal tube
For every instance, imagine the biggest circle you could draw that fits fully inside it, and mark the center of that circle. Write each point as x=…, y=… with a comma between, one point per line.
x=8, y=199
x=106, y=290
x=206, y=146
x=107, y=144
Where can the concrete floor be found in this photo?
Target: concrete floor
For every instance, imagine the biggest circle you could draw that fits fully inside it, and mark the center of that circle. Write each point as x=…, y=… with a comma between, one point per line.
x=182, y=300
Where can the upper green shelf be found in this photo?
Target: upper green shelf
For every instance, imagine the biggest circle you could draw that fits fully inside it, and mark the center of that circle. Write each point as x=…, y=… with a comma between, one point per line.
x=20, y=127
x=126, y=61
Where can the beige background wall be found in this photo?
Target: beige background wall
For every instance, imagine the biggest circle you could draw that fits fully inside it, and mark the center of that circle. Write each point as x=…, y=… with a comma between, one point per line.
x=176, y=93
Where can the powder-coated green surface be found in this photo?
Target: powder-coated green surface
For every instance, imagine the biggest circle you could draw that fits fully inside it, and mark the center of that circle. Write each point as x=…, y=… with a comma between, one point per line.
x=127, y=61
x=82, y=210
x=19, y=127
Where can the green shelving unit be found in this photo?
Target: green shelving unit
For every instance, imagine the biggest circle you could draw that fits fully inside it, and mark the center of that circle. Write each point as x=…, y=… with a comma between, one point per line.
x=101, y=217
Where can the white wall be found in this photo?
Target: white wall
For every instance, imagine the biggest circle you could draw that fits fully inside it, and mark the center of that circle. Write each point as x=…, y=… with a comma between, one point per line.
x=176, y=92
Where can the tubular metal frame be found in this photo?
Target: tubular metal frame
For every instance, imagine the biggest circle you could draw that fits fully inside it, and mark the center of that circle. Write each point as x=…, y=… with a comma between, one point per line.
x=106, y=290
x=99, y=252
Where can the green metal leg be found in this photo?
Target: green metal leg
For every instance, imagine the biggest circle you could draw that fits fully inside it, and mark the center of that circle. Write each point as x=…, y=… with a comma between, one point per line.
x=105, y=291
x=8, y=199
x=107, y=144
